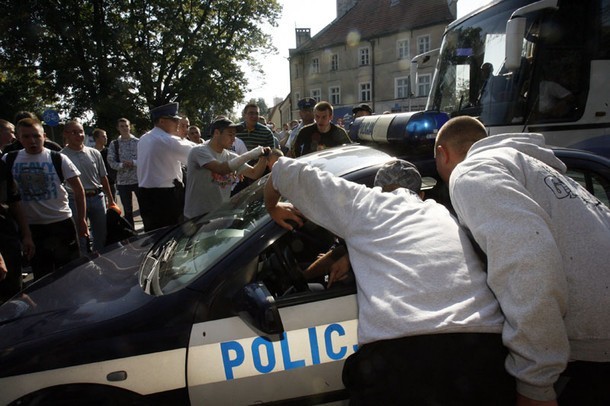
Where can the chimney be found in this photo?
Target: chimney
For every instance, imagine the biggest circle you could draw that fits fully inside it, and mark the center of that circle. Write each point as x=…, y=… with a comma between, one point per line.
x=452, y=7
x=343, y=6
x=303, y=35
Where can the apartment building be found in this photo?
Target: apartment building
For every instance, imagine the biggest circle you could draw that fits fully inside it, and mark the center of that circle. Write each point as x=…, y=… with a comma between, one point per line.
x=364, y=55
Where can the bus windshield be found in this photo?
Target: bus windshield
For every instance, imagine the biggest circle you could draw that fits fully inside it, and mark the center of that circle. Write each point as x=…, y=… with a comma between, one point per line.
x=471, y=78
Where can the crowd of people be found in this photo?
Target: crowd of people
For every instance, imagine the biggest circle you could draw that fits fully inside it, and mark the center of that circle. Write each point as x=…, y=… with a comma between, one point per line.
x=498, y=305
x=58, y=196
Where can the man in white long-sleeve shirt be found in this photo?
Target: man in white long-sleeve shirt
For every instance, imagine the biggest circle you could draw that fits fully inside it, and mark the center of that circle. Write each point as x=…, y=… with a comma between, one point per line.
x=428, y=325
x=161, y=154
x=547, y=242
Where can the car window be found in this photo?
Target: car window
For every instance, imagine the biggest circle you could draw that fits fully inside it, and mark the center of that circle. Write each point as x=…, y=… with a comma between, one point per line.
x=282, y=264
x=594, y=183
x=192, y=249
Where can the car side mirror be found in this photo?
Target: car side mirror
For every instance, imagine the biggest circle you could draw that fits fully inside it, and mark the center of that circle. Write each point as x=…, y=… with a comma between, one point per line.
x=256, y=305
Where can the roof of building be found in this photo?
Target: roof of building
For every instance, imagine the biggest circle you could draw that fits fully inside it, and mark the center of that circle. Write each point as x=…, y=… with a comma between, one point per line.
x=375, y=18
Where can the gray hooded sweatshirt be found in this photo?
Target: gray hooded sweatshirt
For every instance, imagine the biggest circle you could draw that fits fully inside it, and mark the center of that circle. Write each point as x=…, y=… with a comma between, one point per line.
x=548, y=245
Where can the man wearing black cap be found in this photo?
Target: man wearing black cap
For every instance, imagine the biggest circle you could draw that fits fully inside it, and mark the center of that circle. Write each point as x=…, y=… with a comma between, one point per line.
x=160, y=154
x=213, y=168
x=306, y=113
x=362, y=110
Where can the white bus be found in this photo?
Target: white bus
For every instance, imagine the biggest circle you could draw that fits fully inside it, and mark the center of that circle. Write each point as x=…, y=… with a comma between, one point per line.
x=531, y=66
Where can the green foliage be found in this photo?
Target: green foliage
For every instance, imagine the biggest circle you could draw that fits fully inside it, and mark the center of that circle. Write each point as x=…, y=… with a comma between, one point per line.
x=262, y=105
x=118, y=58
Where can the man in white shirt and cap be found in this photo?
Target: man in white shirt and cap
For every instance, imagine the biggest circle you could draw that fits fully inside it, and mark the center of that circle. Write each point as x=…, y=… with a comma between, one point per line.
x=161, y=154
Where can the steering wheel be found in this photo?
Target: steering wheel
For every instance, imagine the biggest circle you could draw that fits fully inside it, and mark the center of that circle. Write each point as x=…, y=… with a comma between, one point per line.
x=291, y=268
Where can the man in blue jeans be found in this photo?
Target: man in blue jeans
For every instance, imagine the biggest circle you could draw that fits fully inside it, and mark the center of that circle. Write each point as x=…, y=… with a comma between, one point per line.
x=93, y=176
x=122, y=157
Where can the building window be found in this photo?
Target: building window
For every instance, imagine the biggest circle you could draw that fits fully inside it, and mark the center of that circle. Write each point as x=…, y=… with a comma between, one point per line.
x=363, y=56
x=334, y=62
x=423, y=85
x=335, y=95
x=297, y=97
x=365, y=92
x=316, y=94
x=402, y=49
x=401, y=86
x=315, y=65
x=423, y=44
x=296, y=70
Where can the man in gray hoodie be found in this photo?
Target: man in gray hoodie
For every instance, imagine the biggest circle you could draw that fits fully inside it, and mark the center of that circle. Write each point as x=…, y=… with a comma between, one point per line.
x=547, y=242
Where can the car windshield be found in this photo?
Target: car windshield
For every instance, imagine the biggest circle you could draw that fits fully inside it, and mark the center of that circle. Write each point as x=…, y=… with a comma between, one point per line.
x=191, y=249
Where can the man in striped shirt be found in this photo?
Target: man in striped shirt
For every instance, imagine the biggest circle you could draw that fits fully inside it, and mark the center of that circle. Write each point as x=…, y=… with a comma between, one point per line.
x=253, y=133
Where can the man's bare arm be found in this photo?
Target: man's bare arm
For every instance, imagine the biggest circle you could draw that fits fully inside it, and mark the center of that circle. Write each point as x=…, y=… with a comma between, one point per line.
x=281, y=213
x=81, y=205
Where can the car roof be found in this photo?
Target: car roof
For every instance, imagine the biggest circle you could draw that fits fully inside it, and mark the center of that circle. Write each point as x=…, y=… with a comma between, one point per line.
x=581, y=154
x=346, y=159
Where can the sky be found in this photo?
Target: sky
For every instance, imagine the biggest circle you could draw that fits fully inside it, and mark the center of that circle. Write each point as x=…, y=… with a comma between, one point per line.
x=313, y=14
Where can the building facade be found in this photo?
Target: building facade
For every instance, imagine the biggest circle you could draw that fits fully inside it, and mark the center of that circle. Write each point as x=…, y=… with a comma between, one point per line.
x=364, y=55
x=281, y=112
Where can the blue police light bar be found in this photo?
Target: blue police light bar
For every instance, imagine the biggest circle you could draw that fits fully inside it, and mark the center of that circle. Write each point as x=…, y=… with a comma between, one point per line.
x=409, y=129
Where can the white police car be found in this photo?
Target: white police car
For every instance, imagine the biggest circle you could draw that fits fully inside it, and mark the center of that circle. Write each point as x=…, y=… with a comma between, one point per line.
x=212, y=312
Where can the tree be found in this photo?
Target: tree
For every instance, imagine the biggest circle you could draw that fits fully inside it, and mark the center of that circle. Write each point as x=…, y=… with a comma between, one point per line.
x=23, y=91
x=118, y=58
x=262, y=105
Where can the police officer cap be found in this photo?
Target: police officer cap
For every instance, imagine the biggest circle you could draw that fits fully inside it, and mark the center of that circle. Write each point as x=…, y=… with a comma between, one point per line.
x=307, y=103
x=364, y=107
x=402, y=173
x=169, y=110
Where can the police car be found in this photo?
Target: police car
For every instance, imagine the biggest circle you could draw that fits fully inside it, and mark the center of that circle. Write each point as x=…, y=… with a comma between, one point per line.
x=214, y=311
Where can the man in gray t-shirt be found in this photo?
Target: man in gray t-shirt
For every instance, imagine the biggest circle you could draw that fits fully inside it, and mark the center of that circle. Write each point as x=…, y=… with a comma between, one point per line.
x=212, y=168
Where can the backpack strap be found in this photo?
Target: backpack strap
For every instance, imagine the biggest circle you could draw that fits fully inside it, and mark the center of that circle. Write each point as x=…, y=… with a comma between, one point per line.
x=56, y=158
x=10, y=159
x=116, y=150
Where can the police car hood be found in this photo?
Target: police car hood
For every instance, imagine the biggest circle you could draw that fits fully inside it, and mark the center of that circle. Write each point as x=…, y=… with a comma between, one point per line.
x=83, y=293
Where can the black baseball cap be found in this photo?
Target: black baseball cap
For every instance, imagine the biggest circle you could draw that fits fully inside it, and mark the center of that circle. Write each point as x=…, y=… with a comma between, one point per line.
x=222, y=123
x=362, y=107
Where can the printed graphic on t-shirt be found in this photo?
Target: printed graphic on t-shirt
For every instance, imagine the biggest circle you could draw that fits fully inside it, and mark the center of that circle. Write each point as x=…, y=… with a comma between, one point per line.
x=36, y=181
x=223, y=180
